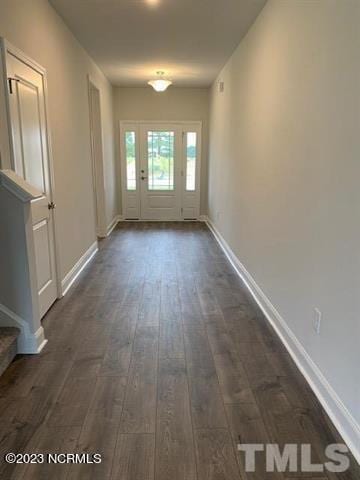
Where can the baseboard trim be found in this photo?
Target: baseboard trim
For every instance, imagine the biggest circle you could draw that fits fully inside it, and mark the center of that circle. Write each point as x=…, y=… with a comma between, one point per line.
x=79, y=266
x=201, y=218
x=27, y=342
x=41, y=341
x=344, y=422
x=114, y=222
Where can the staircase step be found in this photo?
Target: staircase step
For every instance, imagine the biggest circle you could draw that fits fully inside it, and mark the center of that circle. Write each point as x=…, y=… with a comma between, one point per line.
x=8, y=347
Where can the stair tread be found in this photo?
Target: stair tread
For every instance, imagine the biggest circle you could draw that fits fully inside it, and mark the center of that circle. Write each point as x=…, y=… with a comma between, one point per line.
x=8, y=346
x=7, y=337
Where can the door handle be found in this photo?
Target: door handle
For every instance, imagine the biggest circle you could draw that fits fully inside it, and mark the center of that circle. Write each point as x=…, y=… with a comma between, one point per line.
x=51, y=206
x=10, y=80
x=143, y=178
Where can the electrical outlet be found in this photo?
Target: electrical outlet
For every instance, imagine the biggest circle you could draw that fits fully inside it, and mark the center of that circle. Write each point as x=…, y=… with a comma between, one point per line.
x=317, y=320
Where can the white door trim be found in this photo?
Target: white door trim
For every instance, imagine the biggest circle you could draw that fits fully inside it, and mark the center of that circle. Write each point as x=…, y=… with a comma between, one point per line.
x=6, y=142
x=97, y=165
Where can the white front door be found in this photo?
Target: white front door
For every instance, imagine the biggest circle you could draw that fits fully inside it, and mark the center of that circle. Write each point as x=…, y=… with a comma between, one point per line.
x=30, y=160
x=161, y=170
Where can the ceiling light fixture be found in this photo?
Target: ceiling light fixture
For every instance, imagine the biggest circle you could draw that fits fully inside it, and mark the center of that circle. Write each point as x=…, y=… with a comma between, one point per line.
x=152, y=3
x=160, y=84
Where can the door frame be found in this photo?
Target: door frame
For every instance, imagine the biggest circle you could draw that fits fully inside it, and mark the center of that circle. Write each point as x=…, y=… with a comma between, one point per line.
x=137, y=124
x=97, y=162
x=6, y=140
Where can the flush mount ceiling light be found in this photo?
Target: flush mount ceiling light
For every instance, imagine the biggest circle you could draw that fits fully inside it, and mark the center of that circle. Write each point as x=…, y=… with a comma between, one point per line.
x=152, y=3
x=160, y=84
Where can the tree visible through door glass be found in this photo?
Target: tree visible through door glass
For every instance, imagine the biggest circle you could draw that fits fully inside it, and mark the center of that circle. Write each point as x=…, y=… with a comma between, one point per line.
x=161, y=160
x=190, y=161
x=130, y=160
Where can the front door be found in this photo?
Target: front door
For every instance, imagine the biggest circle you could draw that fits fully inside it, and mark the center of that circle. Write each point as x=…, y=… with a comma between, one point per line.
x=161, y=170
x=30, y=160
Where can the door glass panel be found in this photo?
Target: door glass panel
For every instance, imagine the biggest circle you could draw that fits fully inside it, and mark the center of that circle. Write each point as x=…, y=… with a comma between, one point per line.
x=160, y=160
x=130, y=160
x=190, y=161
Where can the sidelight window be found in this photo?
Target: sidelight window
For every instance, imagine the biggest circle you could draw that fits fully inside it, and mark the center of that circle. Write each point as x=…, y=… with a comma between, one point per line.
x=191, y=155
x=130, y=152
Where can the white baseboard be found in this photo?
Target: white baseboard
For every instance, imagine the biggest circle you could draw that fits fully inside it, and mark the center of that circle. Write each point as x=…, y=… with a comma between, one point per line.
x=114, y=222
x=79, y=266
x=41, y=340
x=28, y=342
x=201, y=218
x=345, y=423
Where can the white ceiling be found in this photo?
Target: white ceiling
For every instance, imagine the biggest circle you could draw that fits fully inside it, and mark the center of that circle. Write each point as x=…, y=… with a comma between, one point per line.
x=131, y=39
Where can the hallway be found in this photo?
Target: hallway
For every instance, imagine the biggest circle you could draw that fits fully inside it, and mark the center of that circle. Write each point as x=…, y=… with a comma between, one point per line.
x=159, y=360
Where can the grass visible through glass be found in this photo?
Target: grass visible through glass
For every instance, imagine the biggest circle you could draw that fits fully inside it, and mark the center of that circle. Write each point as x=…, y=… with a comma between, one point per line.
x=161, y=160
x=130, y=160
x=190, y=161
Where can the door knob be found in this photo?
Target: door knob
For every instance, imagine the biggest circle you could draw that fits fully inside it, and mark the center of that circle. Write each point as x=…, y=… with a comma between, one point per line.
x=51, y=206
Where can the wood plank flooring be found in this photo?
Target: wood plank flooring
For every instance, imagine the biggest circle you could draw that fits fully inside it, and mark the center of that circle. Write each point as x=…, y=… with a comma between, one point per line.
x=159, y=360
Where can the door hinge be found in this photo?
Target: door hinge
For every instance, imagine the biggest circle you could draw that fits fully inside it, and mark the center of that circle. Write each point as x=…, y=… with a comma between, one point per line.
x=10, y=80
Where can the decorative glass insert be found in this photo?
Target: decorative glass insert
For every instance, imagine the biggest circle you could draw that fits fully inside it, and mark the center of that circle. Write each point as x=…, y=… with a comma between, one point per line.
x=191, y=154
x=161, y=160
x=130, y=151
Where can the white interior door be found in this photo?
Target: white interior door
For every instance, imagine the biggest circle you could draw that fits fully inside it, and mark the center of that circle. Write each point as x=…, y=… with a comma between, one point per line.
x=30, y=159
x=160, y=170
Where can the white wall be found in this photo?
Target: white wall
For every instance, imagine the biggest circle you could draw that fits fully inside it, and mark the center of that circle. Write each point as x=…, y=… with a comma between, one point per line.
x=174, y=104
x=34, y=27
x=284, y=168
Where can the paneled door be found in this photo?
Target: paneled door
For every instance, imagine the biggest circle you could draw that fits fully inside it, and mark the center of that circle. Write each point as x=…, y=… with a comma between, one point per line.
x=30, y=160
x=161, y=170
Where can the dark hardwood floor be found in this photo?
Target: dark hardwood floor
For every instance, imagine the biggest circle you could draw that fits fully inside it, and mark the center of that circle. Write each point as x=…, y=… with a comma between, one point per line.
x=159, y=360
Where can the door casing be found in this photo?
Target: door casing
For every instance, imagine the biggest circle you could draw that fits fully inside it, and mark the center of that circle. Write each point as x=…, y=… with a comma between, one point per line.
x=97, y=157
